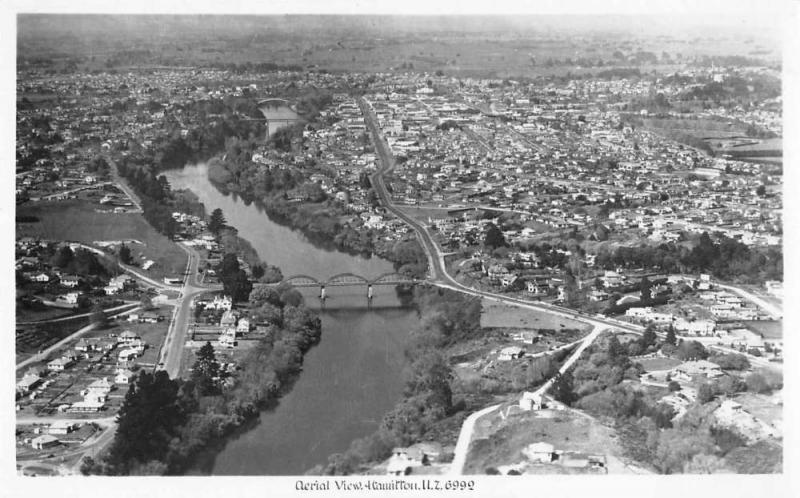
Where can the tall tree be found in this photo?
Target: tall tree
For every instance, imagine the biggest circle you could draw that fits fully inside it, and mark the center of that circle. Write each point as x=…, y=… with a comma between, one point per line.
x=216, y=222
x=206, y=369
x=125, y=254
x=563, y=388
x=671, y=339
x=648, y=337
x=494, y=237
x=148, y=419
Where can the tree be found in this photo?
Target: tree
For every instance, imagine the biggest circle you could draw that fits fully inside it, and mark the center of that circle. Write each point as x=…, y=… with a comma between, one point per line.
x=494, y=237
x=562, y=388
x=649, y=336
x=206, y=370
x=430, y=376
x=691, y=350
x=216, y=222
x=148, y=420
x=731, y=361
x=671, y=339
x=264, y=294
x=234, y=280
x=125, y=254
x=705, y=393
x=258, y=271
x=63, y=257
x=673, y=386
x=761, y=191
x=646, y=295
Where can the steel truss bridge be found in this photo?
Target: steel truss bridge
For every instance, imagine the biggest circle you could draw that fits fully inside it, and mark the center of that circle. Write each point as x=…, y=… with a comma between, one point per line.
x=350, y=279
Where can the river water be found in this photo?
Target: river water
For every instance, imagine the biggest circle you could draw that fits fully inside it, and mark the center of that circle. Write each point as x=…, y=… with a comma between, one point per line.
x=349, y=380
x=278, y=116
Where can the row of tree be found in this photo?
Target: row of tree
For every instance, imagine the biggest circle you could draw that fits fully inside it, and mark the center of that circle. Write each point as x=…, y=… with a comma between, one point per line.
x=164, y=423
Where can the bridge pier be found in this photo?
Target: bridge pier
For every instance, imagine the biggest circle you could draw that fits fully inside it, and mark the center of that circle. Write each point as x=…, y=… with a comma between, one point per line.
x=369, y=294
x=322, y=295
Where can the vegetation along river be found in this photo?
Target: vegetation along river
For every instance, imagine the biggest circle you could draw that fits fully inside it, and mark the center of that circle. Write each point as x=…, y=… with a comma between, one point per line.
x=349, y=381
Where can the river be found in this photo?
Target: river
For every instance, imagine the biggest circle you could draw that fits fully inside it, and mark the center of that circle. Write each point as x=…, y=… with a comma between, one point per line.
x=349, y=381
x=278, y=115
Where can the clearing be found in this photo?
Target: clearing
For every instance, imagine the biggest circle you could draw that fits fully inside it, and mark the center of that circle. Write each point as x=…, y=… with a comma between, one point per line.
x=501, y=315
x=78, y=221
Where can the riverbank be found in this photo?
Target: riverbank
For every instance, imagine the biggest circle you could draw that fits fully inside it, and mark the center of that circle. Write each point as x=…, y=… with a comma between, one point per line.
x=196, y=416
x=325, y=223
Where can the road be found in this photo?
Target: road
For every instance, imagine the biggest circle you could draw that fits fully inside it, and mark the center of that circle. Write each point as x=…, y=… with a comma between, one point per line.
x=770, y=308
x=464, y=440
x=62, y=342
x=437, y=270
x=122, y=184
x=439, y=276
x=467, y=429
x=72, y=317
x=173, y=346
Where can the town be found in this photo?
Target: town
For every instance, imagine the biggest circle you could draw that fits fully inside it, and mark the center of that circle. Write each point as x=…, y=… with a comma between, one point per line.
x=621, y=233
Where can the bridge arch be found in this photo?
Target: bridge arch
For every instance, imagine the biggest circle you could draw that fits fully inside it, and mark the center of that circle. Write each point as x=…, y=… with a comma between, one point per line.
x=347, y=279
x=392, y=278
x=273, y=102
x=302, y=281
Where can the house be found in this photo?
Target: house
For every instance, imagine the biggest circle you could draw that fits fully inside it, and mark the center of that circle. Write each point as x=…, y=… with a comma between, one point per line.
x=86, y=406
x=403, y=460
x=84, y=346
x=70, y=297
x=61, y=427
x=531, y=401
x=99, y=388
x=508, y=280
x=526, y=336
x=243, y=326
x=44, y=442
x=59, y=364
x=123, y=376
x=28, y=383
x=220, y=303
x=228, y=319
x=70, y=281
x=149, y=317
x=510, y=353
x=540, y=452
x=118, y=284
x=41, y=277
x=227, y=341
x=127, y=337
x=127, y=355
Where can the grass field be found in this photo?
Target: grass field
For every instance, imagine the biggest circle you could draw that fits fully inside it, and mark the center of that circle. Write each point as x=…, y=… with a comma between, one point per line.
x=655, y=364
x=769, y=329
x=77, y=221
x=496, y=314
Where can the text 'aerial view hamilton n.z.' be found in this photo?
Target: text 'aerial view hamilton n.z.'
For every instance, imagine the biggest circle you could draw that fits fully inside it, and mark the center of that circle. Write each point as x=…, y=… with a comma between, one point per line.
x=375, y=245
